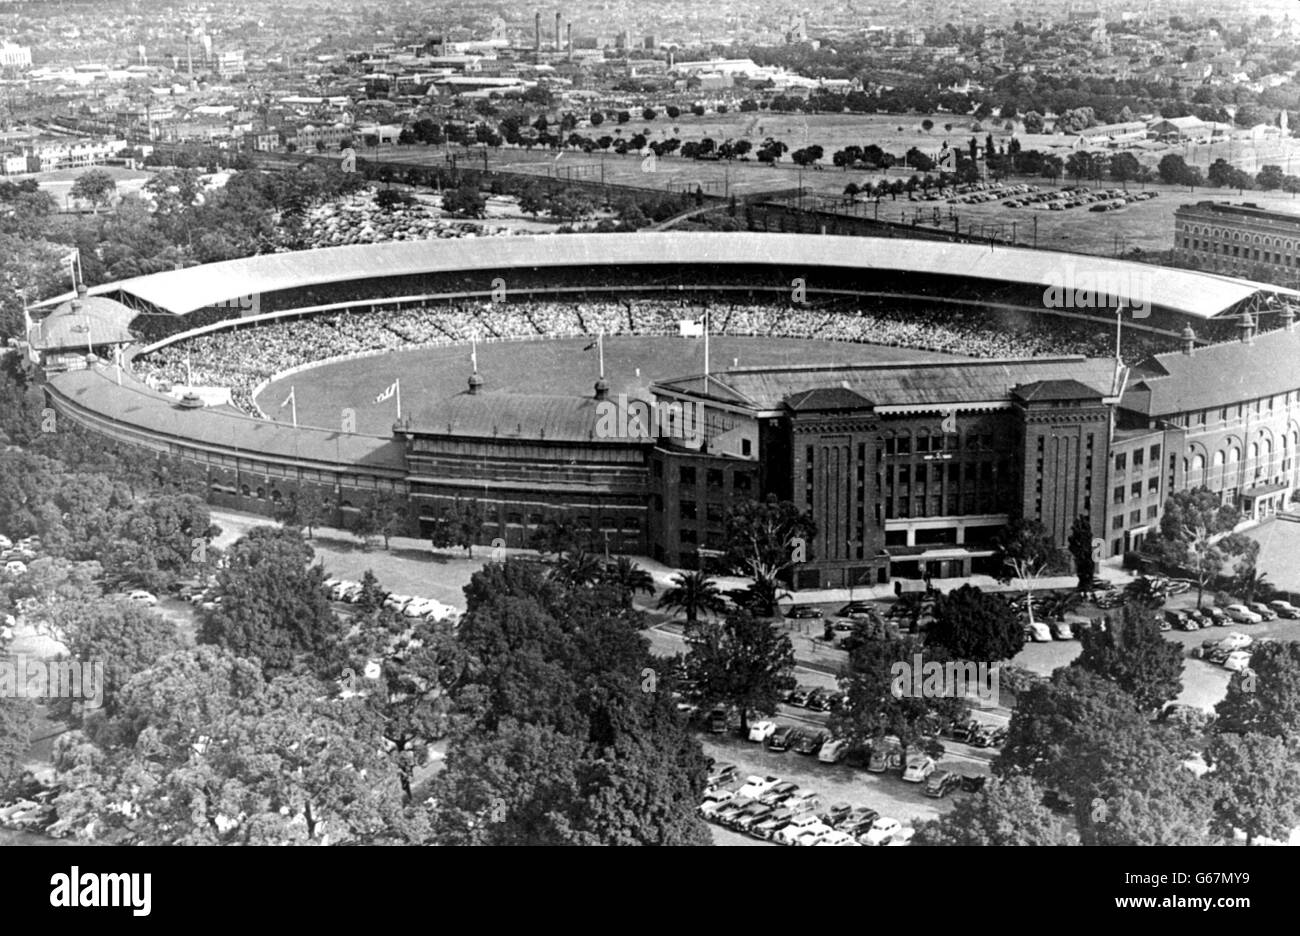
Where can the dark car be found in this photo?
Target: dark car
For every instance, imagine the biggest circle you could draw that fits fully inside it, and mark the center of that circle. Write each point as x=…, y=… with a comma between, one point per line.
x=717, y=721
x=961, y=730
x=803, y=612
x=817, y=698
x=798, y=697
x=808, y=741
x=835, y=814
x=857, y=607
x=721, y=773
x=1058, y=803
x=940, y=783
x=988, y=736
x=973, y=783
x=781, y=739
x=858, y=821
x=779, y=793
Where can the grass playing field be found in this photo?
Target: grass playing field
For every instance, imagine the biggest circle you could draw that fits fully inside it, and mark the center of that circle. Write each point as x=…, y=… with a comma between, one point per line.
x=543, y=367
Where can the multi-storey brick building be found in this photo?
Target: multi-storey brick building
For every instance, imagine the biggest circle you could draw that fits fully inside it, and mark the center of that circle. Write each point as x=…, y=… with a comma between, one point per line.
x=1242, y=240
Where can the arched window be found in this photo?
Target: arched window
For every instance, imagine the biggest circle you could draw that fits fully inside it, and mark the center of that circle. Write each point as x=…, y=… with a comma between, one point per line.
x=243, y=489
x=1198, y=462
x=1218, y=459
x=1234, y=455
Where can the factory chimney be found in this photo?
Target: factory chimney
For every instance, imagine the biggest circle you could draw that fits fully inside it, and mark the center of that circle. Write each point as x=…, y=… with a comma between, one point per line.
x=557, y=30
x=537, y=31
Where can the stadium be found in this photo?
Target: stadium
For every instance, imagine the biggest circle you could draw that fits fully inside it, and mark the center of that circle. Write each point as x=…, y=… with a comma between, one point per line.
x=914, y=396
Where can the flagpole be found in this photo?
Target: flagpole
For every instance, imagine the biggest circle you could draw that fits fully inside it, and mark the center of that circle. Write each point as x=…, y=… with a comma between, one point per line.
x=398, y=384
x=600, y=345
x=293, y=401
x=706, y=349
x=473, y=351
x=189, y=378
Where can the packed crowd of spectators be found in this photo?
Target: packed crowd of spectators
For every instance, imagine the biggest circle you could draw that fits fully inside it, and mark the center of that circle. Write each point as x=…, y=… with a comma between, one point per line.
x=242, y=358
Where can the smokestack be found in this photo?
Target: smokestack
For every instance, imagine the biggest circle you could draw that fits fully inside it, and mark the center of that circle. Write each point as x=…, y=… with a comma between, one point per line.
x=568, y=39
x=1189, y=340
x=537, y=31
x=557, y=30
x=1246, y=329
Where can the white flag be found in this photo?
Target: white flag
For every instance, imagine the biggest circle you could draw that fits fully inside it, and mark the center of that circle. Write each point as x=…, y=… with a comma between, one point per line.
x=289, y=399
x=387, y=394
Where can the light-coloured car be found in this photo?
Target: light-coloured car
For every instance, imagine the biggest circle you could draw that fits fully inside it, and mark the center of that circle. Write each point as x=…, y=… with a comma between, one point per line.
x=755, y=786
x=919, y=766
x=833, y=751
x=1236, y=641
x=15, y=567
x=803, y=830
x=1038, y=631
x=902, y=837
x=880, y=832
x=140, y=596
x=1242, y=615
x=761, y=730
x=837, y=837
x=1237, y=661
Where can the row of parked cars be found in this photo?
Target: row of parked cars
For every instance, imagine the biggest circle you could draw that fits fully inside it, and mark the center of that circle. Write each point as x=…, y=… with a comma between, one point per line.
x=1251, y=612
x=15, y=556
x=411, y=606
x=993, y=192
x=776, y=810
x=1231, y=652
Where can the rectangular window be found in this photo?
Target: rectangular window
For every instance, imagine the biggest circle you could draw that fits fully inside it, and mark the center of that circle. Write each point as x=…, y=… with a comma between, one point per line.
x=1119, y=494
x=746, y=447
x=1135, y=517
x=740, y=481
x=1135, y=489
x=1121, y=462
x=688, y=510
x=1153, y=485
x=713, y=513
x=921, y=474
x=1118, y=522
x=686, y=476
x=1152, y=512
x=1155, y=454
x=905, y=445
x=1137, y=458
x=713, y=477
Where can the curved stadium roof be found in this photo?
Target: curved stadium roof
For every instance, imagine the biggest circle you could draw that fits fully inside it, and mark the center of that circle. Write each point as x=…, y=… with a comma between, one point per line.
x=1194, y=294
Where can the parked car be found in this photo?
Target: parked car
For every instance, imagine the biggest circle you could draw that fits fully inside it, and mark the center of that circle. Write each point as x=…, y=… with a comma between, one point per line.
x=781, y=739
x=755, y=786
x=1263, y=610
x=857, y=607
x=919, y=766
x=778, y=793
x=717, y=720
x=885, y=754
x=880, y=832
x=140, y=596
x=835, y=814
x=973, y=783
x=858, y=821
x=772, y=823
x=1216, y=616
x=1236, y=661
x=1181, y=620
x=1236, y=640
x=817, y=698
x=1284, y=609
x=751, y=814
x=1061, y=630
x=1058, y=803
x=807, y=824
x=721, y=773
x=803, y=612
x=761, y=730
x=798, y=697
x=836, y=837
x=803, y=801
x=1242, y=615
x=984, y=736
x=808, y=741
x=1038, y=631
x=940, y=783
x=833, y=751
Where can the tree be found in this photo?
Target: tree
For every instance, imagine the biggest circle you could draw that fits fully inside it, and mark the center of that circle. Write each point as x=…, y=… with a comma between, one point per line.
x=272, y=603
x=1033, y=122
x=1194, y=534
x=1125, y=168
x=125, y=637
x=648, y=113
x=95, y=186
x=765, y=540
x=1080, y=546
x=1270, y=178
x=1005, y=812
x=1265, y=699
x=1025, y=551
x=1220, y=173
x=466, y=201
x=744, y=661
x=1173, y=170
x=974, y=625
x=693, y=594
x=1256, y=784
x=627, y=578
x=1082, y=735
x=17, y=719
x=461, y=524
x=204, y=751
x=306, y=507
x=927, y=125
x=578, y=569
x=879, y=704
x=597, y=118
x=1132, y=653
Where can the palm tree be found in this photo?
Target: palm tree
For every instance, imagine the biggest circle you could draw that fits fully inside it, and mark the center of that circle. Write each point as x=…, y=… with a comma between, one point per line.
x=693, y=593
x=578, y=568
x=629, y=578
